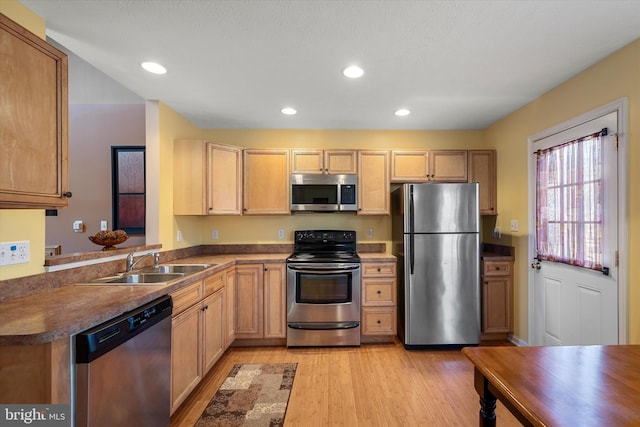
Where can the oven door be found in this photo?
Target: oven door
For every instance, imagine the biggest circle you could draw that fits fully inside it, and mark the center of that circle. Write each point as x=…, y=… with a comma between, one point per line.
x=323, y=292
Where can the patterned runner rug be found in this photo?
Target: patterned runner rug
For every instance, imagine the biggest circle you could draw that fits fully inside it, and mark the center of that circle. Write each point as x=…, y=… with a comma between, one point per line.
x=251, y=395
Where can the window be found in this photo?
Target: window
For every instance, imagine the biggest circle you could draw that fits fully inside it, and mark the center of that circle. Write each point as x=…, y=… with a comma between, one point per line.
x=128, y=187
x=569, y=202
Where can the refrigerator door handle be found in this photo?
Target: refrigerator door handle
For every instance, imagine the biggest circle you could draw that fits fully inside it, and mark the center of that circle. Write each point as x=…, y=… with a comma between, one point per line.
x=411, y=252
x=411, y=228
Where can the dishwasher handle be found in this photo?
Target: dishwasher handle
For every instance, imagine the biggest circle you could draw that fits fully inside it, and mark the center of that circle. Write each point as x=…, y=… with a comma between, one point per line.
x=100, y=339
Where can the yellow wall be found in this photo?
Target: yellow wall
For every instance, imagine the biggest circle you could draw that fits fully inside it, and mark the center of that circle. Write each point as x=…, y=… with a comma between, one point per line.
x=615, y=77
x=23, y=224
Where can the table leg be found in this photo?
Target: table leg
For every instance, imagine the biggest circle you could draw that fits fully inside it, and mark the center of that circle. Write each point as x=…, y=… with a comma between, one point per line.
x=487, y=400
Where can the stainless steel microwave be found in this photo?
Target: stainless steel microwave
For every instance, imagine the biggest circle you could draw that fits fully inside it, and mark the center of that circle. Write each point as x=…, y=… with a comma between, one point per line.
x=324, y=193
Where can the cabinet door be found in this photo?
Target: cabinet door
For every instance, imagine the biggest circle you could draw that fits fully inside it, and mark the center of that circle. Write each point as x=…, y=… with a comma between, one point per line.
x=373, y=183
x=34, y=147
x=224, y=180
x=266, y=182
x=186, y=368
x=482, y=169
x=189, y=177
x=213, y=331
x=230, y=306
x=496, y=304
x=307, y=161
x=340, y=162
x=275, y=301
x=249, y=301
x=448, y=165
x=409, y=166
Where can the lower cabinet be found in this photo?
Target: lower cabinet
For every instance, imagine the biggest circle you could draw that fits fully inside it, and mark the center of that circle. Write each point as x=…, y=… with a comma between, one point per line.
x=230, y=306
x=378, y=301
x=260, y=301
x=198, y=334
x=497, y=299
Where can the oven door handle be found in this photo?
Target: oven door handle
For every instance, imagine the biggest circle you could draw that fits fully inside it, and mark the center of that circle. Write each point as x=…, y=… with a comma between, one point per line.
x=320, y=270
x=328, y=326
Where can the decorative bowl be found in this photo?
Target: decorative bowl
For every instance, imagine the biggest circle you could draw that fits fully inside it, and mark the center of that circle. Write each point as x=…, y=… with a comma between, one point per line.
x=109, y=239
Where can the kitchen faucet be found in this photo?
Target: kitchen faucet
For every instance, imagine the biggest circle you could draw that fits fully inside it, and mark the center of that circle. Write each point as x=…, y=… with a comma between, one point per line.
x=131, y=263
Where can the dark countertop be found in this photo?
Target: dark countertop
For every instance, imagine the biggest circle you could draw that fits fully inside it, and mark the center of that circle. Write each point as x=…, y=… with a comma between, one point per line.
x=497, y=252
x=58, y=313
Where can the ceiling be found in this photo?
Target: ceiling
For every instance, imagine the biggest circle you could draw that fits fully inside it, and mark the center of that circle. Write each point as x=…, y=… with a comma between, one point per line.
x=457, y=64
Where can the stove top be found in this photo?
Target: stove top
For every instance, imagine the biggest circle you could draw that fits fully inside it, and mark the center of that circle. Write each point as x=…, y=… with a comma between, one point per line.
x=324, y=246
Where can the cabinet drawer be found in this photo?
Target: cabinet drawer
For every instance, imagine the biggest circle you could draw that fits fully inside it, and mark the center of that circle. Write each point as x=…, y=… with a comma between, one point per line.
x=378, y=292
x=496, y=268
x=378, y=269
x=186, y=297
x=213, y=283
x=378, y=321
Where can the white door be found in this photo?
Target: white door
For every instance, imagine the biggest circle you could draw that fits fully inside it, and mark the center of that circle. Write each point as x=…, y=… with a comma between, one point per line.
x=576, y=305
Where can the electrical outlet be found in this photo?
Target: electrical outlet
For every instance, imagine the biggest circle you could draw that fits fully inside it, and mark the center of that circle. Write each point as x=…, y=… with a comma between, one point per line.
x=104, y=225
x=496, y=233
x=179, y=236
x=14, y=253
x=514, y=225
x=370, y=233
x=280, y=233
x=214, y=234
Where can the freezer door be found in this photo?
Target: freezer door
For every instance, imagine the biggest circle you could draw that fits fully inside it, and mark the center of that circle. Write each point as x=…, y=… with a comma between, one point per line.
x=441, y=208
x=442, y=293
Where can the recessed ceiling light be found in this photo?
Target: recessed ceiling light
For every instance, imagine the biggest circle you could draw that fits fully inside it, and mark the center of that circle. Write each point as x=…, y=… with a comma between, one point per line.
x=288, y=111
x=154, y=68
x=353, y=72
x=402, y=112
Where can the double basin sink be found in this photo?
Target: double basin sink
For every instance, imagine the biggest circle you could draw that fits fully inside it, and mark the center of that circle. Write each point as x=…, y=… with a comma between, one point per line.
x=153, y=275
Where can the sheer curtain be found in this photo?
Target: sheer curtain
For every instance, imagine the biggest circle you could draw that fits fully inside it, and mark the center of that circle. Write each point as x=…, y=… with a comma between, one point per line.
x=569, y=211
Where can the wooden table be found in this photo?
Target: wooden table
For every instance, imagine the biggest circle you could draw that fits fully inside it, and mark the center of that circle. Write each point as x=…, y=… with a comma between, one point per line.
x=559, y=386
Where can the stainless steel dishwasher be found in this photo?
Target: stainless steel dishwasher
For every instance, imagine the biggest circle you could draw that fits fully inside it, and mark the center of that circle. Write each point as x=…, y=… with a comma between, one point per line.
x=123, y=368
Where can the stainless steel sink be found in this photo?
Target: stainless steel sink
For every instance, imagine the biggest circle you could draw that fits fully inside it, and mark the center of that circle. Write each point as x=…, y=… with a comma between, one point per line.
x=140, y=278
x=153, y=275
x=176, y=268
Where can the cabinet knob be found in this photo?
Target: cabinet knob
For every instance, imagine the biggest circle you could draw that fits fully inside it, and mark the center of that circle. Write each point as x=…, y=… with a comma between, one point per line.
x=379, y=321
x=379, y=292
x=67, y=194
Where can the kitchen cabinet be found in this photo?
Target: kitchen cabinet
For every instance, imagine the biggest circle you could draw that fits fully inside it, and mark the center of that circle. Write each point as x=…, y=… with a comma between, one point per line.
x=373, y=182
x=34, y=142
x=197, y=334
x=429, y=165
x=409, y=166
x=230, y=306
x=266, y=182
x=379, y=305
x=448, y=165
x=482, y=169
x=207, y=178
x=260, y=301
x=324, y=161
x=497, y=299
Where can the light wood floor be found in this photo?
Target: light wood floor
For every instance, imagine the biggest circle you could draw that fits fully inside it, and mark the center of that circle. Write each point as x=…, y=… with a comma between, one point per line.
x=371, y=385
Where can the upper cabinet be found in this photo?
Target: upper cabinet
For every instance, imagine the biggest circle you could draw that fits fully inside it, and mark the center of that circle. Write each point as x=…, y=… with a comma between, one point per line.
x=482, y=169
x=373, y=183
x=207, y=178
x=429, y=165
x=448, y=165
x=409, y=165
x=33, y=121
x=266, y=182
x=324, y=161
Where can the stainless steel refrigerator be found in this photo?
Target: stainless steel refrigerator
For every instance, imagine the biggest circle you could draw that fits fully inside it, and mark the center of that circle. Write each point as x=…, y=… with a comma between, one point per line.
x=435, y=229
